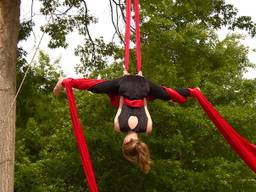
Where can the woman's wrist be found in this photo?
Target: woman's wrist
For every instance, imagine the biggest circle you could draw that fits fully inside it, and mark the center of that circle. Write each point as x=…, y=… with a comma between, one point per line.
x=58, y=88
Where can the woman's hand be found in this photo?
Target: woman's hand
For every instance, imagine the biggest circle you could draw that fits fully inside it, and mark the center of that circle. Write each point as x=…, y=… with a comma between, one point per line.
x=58, y=87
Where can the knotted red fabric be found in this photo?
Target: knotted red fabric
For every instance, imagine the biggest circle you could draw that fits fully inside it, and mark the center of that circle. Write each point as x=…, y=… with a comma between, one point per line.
x=245, y=149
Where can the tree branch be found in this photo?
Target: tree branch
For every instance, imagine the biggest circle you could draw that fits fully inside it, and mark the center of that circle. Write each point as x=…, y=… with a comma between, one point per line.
x=88, y=32
x=122, y=8
x=116, y=26
x=31, y=18
x=65, y=12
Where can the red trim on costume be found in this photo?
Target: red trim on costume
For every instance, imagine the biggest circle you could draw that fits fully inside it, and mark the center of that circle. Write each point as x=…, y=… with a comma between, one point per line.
x=134, y=103
x=114, y=100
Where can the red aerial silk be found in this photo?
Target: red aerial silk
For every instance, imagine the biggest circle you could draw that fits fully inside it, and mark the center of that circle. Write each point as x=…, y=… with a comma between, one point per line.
x=85, y=84
x=78, y=132
x=241, y=146
x=174, y=95
x=128, y=32
x=245, y=149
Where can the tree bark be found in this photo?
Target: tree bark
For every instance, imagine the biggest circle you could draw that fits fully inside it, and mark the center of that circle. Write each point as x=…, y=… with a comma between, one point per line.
x=9, y=29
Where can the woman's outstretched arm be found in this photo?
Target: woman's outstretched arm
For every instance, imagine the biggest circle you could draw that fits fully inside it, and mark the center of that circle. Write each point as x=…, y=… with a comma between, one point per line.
x=93, y=85
x=162, y=93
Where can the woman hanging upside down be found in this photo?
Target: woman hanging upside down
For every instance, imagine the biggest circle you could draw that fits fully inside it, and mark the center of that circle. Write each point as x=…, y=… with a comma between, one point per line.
x=132, y=117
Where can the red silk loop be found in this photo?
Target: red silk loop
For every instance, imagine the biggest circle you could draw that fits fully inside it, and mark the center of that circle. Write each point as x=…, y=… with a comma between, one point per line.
x=128, y=34
x=134, y=103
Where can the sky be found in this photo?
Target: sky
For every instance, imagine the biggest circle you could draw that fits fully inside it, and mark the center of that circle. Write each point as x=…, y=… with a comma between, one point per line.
x=68, y=60
x=105, y=29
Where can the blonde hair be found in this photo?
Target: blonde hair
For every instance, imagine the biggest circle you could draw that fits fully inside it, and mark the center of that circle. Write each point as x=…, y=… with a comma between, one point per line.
x=137, y=152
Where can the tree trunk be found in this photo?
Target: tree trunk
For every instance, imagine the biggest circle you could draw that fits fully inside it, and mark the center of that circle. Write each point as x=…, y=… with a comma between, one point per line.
x=9, y=28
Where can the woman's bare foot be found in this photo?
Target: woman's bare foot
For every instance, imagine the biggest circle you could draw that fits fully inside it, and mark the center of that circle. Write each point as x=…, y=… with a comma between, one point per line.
x=140, y=73
x=126, y=72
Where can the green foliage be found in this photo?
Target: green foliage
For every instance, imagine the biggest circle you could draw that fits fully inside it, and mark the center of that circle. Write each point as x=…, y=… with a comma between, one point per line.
x=67, y=17
x=94, y=58
x=180, y=49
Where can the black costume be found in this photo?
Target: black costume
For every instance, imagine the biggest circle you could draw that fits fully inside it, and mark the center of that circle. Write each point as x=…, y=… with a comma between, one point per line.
x=134, y=87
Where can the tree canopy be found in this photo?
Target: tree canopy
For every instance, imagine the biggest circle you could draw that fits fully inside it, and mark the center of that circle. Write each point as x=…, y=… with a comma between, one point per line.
x=180, y=48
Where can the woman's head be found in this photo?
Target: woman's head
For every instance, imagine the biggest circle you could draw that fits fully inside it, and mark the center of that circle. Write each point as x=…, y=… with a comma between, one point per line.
x=136, y=152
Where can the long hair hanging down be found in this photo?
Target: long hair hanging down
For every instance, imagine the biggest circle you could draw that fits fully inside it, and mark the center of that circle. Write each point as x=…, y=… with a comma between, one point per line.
x=137, y=152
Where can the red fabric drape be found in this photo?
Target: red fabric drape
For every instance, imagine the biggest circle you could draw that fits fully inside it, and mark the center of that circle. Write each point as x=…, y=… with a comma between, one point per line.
x=137, y=27
x=128, y=34
x=81, y=142
x=245, y=149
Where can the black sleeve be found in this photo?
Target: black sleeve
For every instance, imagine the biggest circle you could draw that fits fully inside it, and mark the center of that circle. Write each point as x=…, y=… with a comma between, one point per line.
x=183, y=91
x=158, y=92
x=107, y=87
